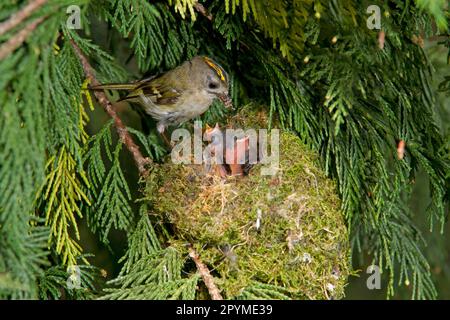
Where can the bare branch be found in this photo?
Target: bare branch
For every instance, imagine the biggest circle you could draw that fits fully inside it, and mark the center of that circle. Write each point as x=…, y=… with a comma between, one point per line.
x=121, y=129
x=202, y=10
x=206, y=276
x=21, y=15
x=17, y=40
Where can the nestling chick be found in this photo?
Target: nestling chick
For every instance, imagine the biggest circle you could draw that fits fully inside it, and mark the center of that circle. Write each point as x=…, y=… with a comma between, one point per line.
x=180, y=94
x=232, y=156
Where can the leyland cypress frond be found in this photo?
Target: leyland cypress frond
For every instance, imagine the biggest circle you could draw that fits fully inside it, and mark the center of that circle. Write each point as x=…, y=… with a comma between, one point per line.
x=155, y=276
x=112, y=207
x=372, y=104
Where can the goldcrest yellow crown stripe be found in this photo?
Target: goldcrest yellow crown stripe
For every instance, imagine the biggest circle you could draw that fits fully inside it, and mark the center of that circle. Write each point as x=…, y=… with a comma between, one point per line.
x=218, y=69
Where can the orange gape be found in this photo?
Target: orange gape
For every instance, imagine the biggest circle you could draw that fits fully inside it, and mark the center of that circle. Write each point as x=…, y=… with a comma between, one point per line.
x=238, y=154
x=233, y=156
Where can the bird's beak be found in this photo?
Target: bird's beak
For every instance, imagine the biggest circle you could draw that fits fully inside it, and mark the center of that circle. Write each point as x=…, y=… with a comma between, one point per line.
x=225, y=98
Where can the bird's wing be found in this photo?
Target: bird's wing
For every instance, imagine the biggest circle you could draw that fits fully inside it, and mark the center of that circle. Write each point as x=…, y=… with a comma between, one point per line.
x=156, y=90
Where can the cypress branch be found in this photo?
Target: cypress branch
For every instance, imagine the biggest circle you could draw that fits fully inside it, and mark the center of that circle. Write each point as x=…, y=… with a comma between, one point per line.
x=208, y=280
x=347, y=93
x=140, y=161
x=16, y=41
x=202, y=10
x=21, y=15
x=121, y=129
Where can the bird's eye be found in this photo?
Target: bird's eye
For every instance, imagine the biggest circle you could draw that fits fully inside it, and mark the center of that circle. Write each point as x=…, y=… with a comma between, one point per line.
x=213, y=85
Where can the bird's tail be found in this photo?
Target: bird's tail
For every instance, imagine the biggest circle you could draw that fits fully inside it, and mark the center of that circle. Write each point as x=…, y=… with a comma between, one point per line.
x=114, y=86
x=129, y=87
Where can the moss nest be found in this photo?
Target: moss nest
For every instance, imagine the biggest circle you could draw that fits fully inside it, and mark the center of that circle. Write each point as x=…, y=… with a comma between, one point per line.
x=280, y=236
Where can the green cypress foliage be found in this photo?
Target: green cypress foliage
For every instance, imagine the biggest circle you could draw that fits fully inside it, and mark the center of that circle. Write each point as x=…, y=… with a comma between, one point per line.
x=347, y=93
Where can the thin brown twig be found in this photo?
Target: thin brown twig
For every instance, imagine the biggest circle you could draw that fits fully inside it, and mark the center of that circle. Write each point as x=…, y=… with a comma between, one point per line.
x=21, y=15
x=121, y=129
x=439, y=37
x=17, y=40
x=202, y=10
x=208, y=280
